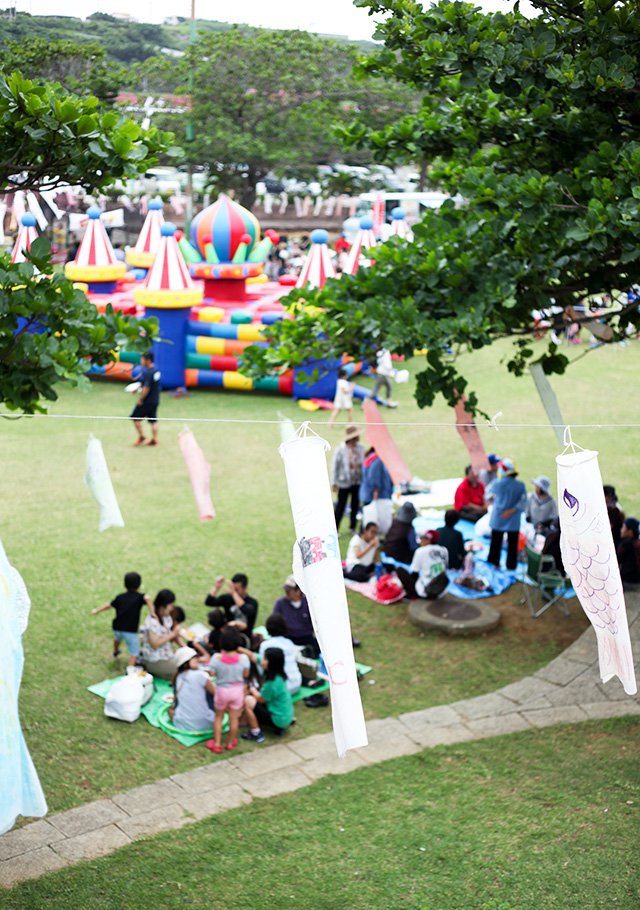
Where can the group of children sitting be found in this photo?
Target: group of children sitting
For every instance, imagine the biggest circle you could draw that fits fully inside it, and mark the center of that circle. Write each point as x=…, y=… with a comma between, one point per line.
x=217, y=675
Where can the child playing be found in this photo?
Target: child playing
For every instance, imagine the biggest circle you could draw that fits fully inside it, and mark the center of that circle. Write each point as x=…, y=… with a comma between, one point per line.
x=271, y=706
x=231, y=669
x=217, y=620
x=344, y=397
x=193, y=692
x=127, y=619
x=186, y=636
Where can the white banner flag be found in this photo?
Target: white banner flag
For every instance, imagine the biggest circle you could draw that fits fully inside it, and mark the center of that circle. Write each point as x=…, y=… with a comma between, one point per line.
x=589, y=557
x=98, y=480
x=317, y=567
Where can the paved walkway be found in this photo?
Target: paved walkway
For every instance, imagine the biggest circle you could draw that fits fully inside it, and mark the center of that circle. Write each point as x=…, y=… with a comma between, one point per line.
x=565, y=691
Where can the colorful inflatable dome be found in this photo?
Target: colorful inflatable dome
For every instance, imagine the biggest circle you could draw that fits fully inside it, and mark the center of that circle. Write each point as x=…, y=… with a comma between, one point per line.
x=225, y=225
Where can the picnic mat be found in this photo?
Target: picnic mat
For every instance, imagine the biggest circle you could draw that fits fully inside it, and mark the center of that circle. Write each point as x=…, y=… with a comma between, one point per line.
x=156, y=711
x=498, y=580
x=368, y=589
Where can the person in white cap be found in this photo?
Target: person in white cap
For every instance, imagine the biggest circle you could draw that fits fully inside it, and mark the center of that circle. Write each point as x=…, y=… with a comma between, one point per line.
x=193, y=710
x=542, y=509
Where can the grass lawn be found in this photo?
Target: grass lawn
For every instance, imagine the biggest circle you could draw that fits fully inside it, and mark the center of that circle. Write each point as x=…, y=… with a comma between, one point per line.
x=48, y=525
x=543, y=820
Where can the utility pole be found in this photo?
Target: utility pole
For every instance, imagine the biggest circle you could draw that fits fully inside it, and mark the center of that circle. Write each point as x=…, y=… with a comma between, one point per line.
x=190, y=132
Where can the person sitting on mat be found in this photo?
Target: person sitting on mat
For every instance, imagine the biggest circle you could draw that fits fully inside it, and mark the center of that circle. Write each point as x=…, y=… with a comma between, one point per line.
x=127, y=619
x=361, y=554
x=400, y=541
x=271, y=705
x=428, y=575
x=469, y=497
x=452, y=540
x=158, y=634
x=240, y=608
x=279, y=638
x=193, y=692
x=294, y=609
x=218, y=621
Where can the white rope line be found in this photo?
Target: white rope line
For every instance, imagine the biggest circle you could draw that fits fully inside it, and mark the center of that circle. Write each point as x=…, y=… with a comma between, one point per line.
x=320, y=423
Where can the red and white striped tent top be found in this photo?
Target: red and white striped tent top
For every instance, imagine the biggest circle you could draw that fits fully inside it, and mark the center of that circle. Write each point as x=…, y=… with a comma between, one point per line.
x=318, y=266
x=95, y=248
x=168, y=272
x=26, y=235
x=399, y=226
x=149, y=238
x=365, y=240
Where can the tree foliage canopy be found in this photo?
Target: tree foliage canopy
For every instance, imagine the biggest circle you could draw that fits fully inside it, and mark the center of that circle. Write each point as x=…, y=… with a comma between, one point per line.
x=48, y=329
x=269, y=101
x=534, y=125
x=50, y=137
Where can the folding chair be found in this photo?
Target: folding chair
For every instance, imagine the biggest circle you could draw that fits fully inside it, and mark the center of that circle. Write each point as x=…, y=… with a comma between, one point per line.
x=544, y=586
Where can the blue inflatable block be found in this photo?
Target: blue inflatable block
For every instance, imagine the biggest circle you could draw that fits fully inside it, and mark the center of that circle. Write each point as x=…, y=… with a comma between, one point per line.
x=211, y=379
x=270, y=318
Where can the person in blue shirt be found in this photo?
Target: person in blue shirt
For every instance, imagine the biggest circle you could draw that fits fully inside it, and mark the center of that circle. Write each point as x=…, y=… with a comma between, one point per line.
x=509, y=496
x=376, y=480
x=147, y=406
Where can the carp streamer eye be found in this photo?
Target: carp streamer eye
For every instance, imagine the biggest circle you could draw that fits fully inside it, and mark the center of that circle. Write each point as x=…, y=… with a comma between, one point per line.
x=571, y=502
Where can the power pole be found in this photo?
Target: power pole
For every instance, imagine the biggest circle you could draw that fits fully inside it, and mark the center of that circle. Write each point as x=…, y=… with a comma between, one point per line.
x=190, y=132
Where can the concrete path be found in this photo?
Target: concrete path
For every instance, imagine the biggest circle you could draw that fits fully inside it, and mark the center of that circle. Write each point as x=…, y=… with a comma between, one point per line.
x=566, y=691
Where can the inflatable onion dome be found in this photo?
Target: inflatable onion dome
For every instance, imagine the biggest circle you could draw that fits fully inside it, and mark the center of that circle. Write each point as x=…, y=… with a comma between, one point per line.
x=398, y=213
x=144, y=252
x=95, y=260
x=168, y=285
x=223, y=224
x=364, y=240
x=318, y=266
x=26, y=235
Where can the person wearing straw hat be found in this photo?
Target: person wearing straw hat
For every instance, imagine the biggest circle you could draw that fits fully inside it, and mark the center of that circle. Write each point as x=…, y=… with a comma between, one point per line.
x=542, y=509
x=346, y=475
x=509, y=497
x=193, y=710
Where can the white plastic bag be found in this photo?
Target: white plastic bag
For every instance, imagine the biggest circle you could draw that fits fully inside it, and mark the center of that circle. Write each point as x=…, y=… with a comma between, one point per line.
x=147, y=682
x=124, y=699
x=380, y=511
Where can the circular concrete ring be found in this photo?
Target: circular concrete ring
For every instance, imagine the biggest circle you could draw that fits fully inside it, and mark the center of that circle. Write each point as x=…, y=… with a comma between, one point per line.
x=454, y=617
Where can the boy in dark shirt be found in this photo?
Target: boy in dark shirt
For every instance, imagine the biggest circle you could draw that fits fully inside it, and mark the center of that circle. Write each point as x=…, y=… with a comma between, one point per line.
x=148, y=401
x=127, y=619
x=240, y=608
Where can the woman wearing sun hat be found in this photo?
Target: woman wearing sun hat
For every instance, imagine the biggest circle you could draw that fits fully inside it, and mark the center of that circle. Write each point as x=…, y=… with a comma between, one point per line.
x=509, y=497
x=346, y=475
x=542, y=509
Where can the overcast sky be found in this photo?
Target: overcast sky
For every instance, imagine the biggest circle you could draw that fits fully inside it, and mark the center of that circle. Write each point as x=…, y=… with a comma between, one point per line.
x=337, y=17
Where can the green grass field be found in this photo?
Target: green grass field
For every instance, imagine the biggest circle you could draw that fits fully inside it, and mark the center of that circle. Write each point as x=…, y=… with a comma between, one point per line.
x=49, y=522
x=543, y=820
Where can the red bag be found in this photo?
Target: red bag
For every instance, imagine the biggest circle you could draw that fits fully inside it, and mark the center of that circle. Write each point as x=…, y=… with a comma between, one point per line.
x=388, y=587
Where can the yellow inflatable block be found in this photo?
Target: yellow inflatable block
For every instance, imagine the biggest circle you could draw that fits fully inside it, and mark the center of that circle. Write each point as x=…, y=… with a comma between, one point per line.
x=250, y=333
x=232, y=380
x=307, y=405
x=211, y=314
x=206, y=345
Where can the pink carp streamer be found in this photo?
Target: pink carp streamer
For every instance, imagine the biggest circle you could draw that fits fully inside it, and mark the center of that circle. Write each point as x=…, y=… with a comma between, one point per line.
x=199, y=473
x=317, y=568
x=379, y=437
x=468, y=431
x=590, y=560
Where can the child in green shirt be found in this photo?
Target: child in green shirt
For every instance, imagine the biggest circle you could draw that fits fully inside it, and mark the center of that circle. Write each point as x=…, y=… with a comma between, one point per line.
x=271, y=705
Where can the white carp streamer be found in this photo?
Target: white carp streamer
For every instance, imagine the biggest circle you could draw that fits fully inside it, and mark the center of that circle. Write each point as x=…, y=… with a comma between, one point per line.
x=317, y=568
x=98, y=479
x=589, y=557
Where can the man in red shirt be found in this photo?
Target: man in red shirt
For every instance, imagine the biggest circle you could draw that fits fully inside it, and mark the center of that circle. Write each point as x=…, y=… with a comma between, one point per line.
x=469, y=498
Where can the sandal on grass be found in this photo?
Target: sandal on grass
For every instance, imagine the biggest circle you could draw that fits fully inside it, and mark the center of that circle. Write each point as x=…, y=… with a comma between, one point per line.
x=213, y=746
x=232, y=745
